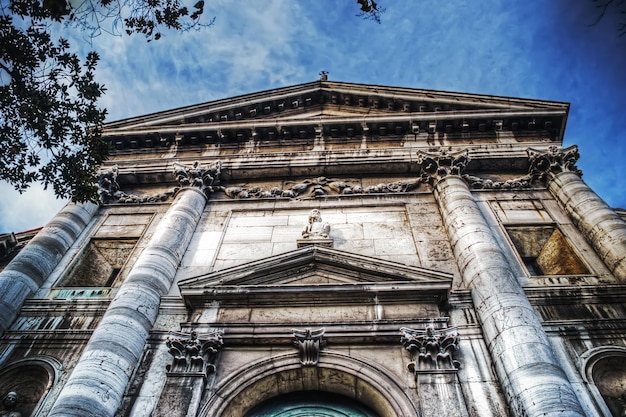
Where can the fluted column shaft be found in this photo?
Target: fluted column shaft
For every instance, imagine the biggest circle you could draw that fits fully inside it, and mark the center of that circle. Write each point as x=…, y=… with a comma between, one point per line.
x=32, y=266
x=532, y=380
x=97, y=383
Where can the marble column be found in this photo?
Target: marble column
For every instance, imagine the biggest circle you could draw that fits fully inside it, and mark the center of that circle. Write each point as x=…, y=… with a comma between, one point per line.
x=532, y=380
x=32, y=266
x=97, y=383
x=601, y=226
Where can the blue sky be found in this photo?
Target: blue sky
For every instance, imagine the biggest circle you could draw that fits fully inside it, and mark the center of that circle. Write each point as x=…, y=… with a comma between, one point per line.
x=543, y=49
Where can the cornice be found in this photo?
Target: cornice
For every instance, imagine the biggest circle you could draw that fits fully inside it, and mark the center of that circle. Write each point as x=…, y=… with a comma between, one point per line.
x=511, y=158
x=333, y=109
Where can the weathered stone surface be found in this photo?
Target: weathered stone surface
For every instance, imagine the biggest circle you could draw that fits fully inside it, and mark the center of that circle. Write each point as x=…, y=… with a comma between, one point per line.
x=97, y=383
x=27, y=272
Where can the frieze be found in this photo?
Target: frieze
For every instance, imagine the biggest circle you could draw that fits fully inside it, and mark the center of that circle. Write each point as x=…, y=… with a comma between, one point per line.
x=431, y=349
x=488, y=184
x=207, y=179
x=110, y=192
x=192, y=354
x=543, y=164
x=309, y=343
x=318, y=187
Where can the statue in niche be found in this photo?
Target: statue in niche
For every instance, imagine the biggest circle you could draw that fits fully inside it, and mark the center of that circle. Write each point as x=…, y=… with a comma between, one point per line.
x=9, y=402
x=315, y=229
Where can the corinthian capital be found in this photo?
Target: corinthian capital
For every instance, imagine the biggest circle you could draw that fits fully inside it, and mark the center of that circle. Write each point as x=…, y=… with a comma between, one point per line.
x=196, y=175
x=436, y=166
x=543, y=164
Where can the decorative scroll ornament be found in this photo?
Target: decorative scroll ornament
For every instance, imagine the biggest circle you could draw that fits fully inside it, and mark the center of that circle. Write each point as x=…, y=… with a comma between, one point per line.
x=319, y=187
x=309, y=343
x=435, y=167
x=545, y=164
x=110, y=192
x=431, y=349
x=194, y=355
x=487, y=184
x=196, y=175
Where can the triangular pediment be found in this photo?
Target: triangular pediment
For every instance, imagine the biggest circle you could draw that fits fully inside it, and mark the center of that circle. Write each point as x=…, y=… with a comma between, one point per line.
x=316, y=269
x=329, y=102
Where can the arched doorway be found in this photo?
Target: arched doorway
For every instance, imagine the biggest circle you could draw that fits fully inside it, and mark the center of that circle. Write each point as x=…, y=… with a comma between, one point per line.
x=311, y=404
x=366, y=387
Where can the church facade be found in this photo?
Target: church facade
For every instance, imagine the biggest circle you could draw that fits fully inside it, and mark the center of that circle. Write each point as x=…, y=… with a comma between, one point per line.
x=326, y=249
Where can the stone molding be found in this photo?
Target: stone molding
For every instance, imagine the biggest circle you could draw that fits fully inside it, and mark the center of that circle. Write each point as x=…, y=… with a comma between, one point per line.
x=433, y=166
x=544, y=164
x=309, y=343
x=431, y=349
x=192, y=354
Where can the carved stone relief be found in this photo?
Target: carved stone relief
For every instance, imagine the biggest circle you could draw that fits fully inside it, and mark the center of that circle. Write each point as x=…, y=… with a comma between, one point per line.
x=309, y=343
x=487, y=184
x=321, y=186
x=208, y=180
x=431, y=349
x=315, y=232
x=196, y=175
x=110, y=192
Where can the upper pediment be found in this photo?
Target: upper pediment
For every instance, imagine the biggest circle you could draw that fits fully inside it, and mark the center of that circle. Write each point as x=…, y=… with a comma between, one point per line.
x=317, y=270
x=314, y=108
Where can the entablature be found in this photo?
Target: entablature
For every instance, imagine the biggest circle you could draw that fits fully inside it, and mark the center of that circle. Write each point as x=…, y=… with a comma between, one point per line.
x=326, y=109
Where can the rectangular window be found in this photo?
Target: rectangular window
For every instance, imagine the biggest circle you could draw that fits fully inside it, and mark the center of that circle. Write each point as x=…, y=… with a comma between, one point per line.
x=100, y=263
x=545, y=251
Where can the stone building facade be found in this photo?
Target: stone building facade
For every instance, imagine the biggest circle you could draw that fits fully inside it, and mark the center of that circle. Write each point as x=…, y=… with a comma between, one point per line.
x=326, y=249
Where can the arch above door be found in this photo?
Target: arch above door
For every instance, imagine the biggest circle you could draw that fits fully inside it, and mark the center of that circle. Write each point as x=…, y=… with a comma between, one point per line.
x=356, y=380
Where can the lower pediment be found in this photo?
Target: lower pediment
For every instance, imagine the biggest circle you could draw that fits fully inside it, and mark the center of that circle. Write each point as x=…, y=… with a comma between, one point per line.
x=313, y=273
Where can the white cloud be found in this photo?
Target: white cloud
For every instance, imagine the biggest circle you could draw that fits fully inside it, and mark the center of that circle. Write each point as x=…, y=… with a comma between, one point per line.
x=528, y=48
x=21, y=212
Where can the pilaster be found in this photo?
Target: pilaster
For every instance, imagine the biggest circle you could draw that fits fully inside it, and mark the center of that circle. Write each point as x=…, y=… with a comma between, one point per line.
x=600, y=225
x=531, y=378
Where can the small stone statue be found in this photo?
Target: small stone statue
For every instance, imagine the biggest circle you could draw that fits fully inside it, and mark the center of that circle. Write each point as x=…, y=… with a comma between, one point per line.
x=9, y=402
x=315, y=229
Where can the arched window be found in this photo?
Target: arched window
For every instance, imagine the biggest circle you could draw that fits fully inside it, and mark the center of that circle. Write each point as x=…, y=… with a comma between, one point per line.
x=605, y=371
x=31, y=379
x=310, y=404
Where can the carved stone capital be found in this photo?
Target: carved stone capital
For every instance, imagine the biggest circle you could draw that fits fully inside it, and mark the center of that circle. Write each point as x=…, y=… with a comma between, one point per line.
x=196, y=175
x=309, y=343
x=544, y=164
x=436, y=166
x=431, y=349
x=192, y=354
